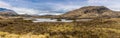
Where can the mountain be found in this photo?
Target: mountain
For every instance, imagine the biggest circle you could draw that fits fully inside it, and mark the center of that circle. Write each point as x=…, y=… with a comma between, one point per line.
x=7, y=12
x=91, y=12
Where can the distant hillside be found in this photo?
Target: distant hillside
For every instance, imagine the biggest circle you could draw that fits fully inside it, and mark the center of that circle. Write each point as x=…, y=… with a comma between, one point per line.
x=7, y=12
x=91, y=12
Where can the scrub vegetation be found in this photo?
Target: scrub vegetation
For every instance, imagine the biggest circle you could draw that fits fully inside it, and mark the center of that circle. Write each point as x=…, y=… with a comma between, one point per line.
x=97, y=28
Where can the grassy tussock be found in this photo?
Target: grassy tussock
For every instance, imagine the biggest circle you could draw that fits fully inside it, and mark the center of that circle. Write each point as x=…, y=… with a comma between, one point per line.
x=29, y=35
x=98, y=28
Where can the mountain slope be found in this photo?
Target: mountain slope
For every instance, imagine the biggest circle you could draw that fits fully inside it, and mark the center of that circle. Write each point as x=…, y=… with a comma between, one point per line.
x=7, y=12
x=91, y=12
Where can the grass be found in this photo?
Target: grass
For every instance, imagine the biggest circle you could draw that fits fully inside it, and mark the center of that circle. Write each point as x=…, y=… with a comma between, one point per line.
x=98, y=28
x=29, y=35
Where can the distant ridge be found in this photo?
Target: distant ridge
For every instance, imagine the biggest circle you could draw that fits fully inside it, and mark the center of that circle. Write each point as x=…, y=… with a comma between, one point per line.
x=7, y=12
x=91, y=12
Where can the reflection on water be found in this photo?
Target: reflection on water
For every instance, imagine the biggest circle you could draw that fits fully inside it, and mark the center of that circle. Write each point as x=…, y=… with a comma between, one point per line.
x=54, y=20
x=50, y=20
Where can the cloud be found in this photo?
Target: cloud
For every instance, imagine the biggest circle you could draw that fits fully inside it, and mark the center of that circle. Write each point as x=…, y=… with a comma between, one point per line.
x=61, y=7
x=34, y=12
x=112, y=4
x=21, y=10
x=50, y=13
x=66, y=7
x=4, y=5
x=71, y=5
x=25, y=10
x=26, y=7
x=54, y=8
x=18, y=9
x=97, y=1
x=30, y=11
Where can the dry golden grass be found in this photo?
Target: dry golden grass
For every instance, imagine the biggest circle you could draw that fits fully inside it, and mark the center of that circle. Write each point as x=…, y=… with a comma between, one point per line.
x=99, y=28
x=29, y=35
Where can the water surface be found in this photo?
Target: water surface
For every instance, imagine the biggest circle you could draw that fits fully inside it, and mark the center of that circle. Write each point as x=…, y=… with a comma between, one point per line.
x=54, y=20
x=50, y=20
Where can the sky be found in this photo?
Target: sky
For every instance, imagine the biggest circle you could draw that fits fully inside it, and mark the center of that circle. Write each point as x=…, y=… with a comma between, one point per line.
x=54, y=7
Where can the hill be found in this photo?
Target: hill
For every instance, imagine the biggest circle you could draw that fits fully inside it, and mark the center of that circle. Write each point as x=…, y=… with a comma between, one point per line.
x=91, y=12
x=7, y=12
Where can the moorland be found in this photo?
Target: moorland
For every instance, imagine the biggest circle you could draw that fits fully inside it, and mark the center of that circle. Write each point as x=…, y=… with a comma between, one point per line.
x=105, y=24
